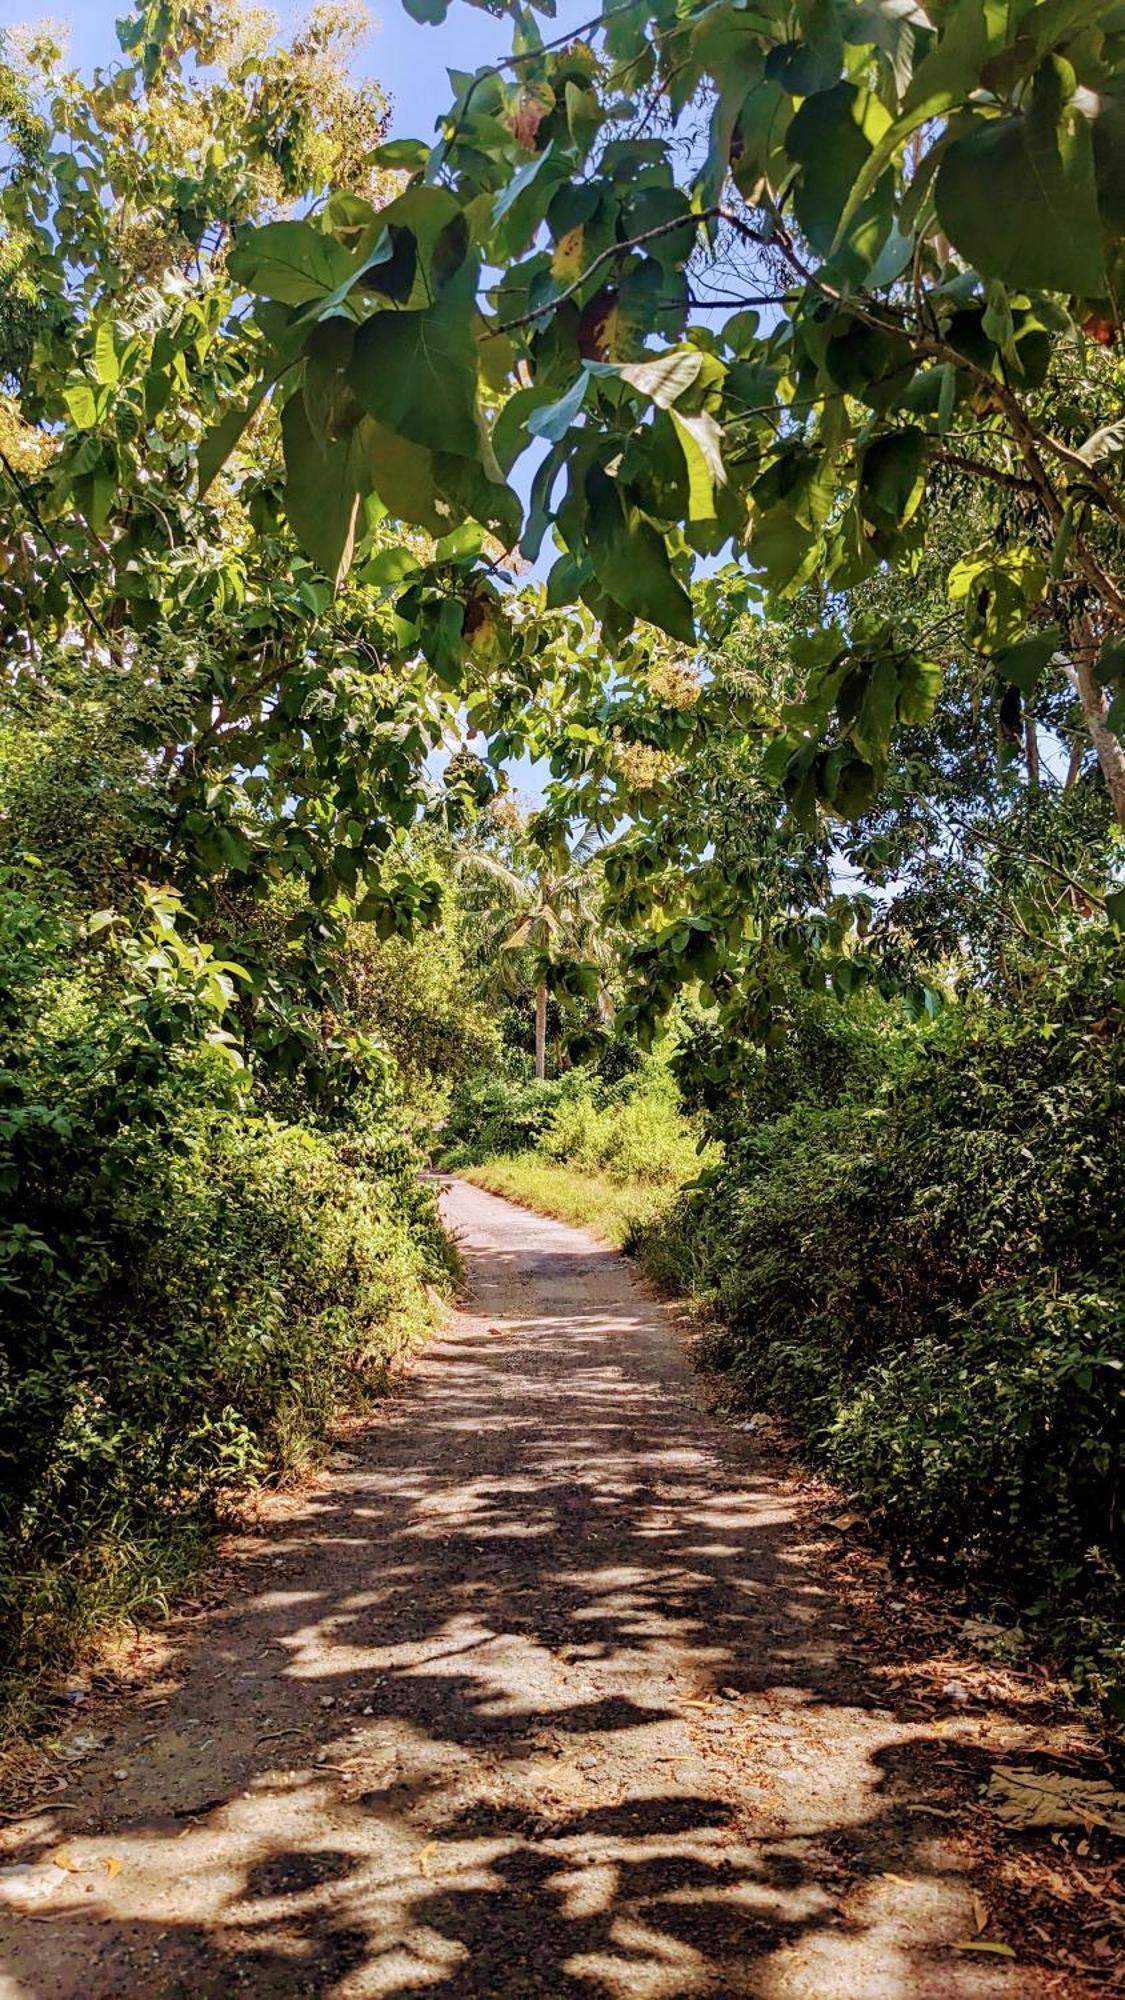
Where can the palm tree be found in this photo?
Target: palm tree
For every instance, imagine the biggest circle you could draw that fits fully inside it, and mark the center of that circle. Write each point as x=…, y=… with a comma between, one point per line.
x=557, y=915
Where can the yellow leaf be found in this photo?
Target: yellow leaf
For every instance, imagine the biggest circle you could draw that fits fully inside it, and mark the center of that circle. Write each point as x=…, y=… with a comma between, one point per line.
x=112, y=1865
x=902, y=1880
x=424, y=1854
x=843, y=1521
x=63, y=1858
x=986, y=1944
x=567, y=260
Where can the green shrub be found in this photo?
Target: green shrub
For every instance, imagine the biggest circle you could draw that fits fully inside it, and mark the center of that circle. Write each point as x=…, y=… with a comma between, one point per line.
x=190, y=1288
x=632, y=1128
x=491, y=1115
x=637, y=1132
x=926, y=1278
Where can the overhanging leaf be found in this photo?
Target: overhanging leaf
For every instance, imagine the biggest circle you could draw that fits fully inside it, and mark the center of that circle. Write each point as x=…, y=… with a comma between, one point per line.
x=631, y=561
x=891, y=477
x=831, y=138
x=557, y=418
x=701, y=443
x=520, y=181
x=665, y=378
x=217, y=443
x=1023, y=664
x=416, y=372
x=323, y=488
x=1016, y=196
x=289, y=261
x=404, y=478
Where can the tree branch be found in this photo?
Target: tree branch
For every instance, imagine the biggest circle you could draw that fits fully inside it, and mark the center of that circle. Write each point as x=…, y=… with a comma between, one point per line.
x=33, y=510
x=615, y=251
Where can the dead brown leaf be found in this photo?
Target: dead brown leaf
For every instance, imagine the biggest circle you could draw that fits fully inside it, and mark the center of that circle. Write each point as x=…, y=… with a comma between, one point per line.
x=1037, y=1801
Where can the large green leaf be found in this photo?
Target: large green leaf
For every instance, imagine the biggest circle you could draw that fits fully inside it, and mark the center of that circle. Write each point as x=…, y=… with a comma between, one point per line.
x=871, y=732
x=701, y=443
x=831, y=138
x=631, y=561
x=804, y=67
x=426, y=243
x=919, y=686
x=217, y=443
x=473, y=491
x=323, y=488
x=522, y=179
x=971, y=31
x=289, y=261
x=890, y=484
x=1024, y=663
x=416, y=372
x=403, y=477
x=1016, y=196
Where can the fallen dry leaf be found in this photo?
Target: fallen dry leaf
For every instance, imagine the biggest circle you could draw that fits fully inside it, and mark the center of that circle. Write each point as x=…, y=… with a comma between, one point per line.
x=980, y=1913
x=986, y=1944
x=112, y=1865
x=63, y=1858
x=1045, y=1801
x=423, y=1856
x=843, y=1521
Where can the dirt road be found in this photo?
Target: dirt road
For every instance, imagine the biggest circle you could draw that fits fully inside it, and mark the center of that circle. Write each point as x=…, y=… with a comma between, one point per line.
x=543, y=1690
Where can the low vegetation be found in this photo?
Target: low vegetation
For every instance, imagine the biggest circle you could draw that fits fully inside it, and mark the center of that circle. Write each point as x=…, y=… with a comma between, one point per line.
x=610, y=1155
x=192, y=1285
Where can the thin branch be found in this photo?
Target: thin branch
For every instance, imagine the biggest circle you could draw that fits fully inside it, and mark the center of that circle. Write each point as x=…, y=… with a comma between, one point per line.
x=33, y=510
x=615, y=251
x=974, y=833
x=978, y=466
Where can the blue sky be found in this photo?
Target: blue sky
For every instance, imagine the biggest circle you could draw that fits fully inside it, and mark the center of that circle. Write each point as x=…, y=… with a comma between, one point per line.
x=410, y=61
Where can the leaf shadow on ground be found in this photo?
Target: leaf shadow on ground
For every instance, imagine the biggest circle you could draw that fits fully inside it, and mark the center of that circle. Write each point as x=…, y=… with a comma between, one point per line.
x=589, y=1717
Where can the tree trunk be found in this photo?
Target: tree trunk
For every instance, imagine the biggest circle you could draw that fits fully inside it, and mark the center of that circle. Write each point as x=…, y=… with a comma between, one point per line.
x=541, y=1031
x=1111, y=751
x=1077, y=752
x=1031, y=742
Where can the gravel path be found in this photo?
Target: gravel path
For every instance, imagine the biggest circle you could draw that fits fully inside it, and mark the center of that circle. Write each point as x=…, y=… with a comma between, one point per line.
x=543, y=1689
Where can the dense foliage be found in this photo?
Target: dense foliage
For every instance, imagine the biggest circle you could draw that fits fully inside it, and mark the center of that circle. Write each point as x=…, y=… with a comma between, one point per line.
x=191, y=1284
x=820, y=299
x=922, y=1275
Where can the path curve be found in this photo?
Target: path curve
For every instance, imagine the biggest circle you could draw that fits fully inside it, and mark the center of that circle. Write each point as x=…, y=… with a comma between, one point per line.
x=542, y=1690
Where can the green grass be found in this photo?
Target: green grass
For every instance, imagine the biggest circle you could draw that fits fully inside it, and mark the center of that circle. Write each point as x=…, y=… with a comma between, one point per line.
x=610, y=1208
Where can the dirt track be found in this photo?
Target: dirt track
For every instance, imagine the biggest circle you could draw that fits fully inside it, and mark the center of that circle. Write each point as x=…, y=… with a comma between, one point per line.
x=543, y=1690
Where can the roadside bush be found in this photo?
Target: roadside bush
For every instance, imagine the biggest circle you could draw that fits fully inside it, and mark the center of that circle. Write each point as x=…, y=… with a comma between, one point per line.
x=926, y=1279
x=190, y=1288
x=631, y=1131
x=492, y=1114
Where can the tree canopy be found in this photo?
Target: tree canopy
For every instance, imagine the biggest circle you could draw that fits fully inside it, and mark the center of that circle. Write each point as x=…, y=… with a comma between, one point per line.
x=732, y=310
